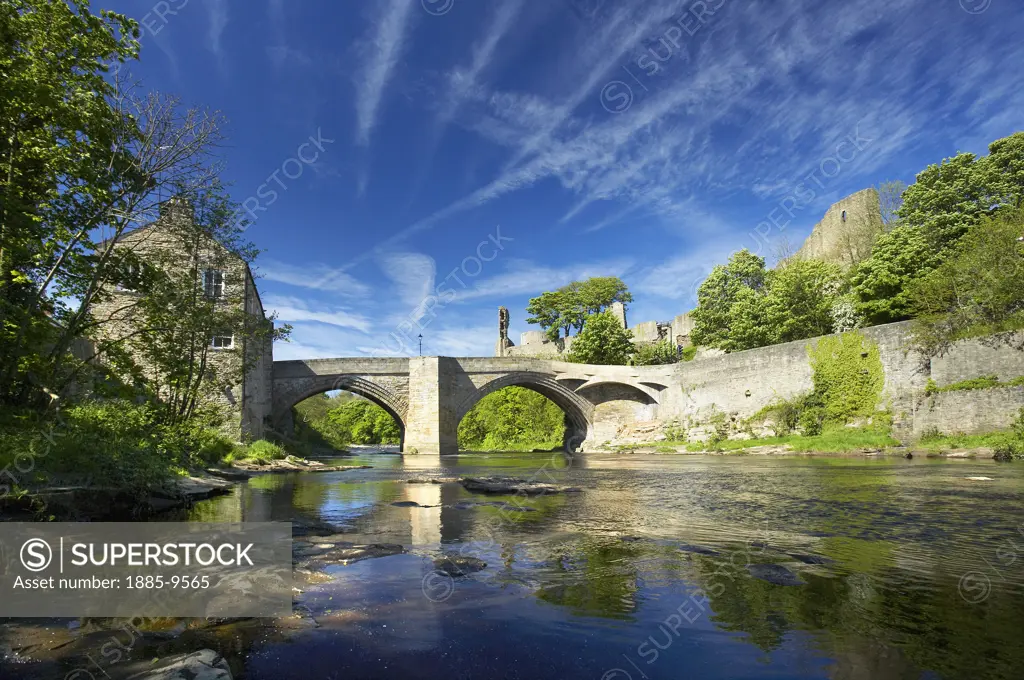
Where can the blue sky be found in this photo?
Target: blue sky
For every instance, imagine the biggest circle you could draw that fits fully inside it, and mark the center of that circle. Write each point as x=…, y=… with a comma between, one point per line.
x=413, y=164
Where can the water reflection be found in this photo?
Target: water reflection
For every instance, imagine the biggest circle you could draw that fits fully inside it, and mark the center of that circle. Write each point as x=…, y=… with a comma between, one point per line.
x=652, y=569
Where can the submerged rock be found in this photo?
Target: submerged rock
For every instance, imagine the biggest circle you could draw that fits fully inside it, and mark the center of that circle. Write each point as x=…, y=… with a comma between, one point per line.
x=459, y=565
x=810, y=559
x=510, y=507
x=774, y=573
x=432, y=480
x=205, y=664
x=316, y=556
x=410, y=504
x=699, y=549
x=510, y=485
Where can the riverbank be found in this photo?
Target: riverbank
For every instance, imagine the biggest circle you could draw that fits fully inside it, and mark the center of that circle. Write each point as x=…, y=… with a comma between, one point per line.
x=85, y=502
x=980, y=453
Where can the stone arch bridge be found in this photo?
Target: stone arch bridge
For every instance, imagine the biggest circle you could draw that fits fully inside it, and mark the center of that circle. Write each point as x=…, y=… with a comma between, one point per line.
x=428, y=396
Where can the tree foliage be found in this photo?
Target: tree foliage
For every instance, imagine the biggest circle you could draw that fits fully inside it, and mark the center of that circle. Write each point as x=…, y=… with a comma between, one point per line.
x=63, y=166
x=603, y=341
x=512, y=419
x=722, y=289
x=881, y=282
x=566, y=309
x=944, y=204
x=979, y=289
x=890, y=198
x=655, y=354
x=742, y=305
x=366, y=422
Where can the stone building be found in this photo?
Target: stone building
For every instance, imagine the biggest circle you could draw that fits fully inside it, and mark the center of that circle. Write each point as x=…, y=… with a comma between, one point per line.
x=243, y=396
x=845, y=234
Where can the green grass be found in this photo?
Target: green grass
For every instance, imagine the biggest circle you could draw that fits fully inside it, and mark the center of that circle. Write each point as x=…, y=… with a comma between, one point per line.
x=831, y=440
x=985, y=382
x=260, y=452
x=939, y=442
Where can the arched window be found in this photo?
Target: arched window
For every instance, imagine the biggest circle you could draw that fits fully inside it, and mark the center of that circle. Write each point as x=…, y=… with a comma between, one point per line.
x=843, y=218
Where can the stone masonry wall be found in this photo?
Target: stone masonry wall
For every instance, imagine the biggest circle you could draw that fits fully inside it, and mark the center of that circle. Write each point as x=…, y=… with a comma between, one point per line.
x=844, y=235
x=742, y=383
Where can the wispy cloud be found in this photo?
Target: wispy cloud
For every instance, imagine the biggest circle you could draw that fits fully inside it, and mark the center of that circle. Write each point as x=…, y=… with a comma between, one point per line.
x=522, y=277
x=217, y=14
x=463, y=83
x=413, y=275
x=315, y=277
x=382, y=53
x=292, y=310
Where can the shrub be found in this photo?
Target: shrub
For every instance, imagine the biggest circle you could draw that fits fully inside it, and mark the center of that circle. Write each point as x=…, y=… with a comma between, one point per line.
x=655, y=354
x=263, y=449
x=1013, y=447
x=784, y=415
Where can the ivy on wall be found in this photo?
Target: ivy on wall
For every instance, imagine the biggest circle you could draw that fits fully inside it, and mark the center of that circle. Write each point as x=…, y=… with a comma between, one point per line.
x=848, y=376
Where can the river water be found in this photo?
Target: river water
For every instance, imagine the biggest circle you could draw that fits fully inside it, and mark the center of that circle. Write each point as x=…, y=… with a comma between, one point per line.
x=660, y=567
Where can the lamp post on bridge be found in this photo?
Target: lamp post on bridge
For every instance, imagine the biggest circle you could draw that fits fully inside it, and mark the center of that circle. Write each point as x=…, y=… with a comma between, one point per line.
x=420, y=336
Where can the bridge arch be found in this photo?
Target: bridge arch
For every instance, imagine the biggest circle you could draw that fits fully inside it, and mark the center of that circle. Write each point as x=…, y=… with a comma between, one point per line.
x=578, y=410
x=288, y=393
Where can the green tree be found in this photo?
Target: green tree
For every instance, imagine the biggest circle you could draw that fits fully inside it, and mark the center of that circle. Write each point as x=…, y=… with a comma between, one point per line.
x=563, y=310
x=554, y=311
x=720, y=291
x=946, y=199
x=313, y=426
x=881, y=282
x=602, y=341
x=62, y=167
x=512, y=419
x=598, y=293
x=1004, y=172
x=977, y=291
x=800, y=299
x=366, y=423
x=743, y=306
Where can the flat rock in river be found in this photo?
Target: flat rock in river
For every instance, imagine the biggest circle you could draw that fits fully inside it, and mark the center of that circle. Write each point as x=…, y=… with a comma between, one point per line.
x=459, y=565
x=318, y=555
x=205, y=664
x=510, y=485
x=774, y=573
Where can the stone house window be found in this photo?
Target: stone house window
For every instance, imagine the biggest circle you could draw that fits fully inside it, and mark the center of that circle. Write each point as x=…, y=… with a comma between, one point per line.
x=223, y=342
x=213, y=283
x=129, y=277
x=843, y=218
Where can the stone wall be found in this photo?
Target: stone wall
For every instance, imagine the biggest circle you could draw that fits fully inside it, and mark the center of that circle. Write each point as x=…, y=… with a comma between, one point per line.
x=967, y=411
x=742, y=383
x=845, y=234
x=257, y=385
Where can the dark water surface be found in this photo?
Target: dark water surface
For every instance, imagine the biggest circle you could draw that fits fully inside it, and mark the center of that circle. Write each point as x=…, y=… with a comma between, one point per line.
x=661, y=567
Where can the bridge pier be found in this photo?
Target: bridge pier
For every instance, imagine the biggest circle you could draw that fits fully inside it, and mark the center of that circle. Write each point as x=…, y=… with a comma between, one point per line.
x=431, y=424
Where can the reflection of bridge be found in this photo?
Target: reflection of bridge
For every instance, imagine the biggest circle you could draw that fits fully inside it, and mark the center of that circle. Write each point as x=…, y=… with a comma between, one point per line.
x=428, y=396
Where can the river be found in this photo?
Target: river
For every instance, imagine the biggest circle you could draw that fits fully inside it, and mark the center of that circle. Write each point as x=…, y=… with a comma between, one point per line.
x=660, y=567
